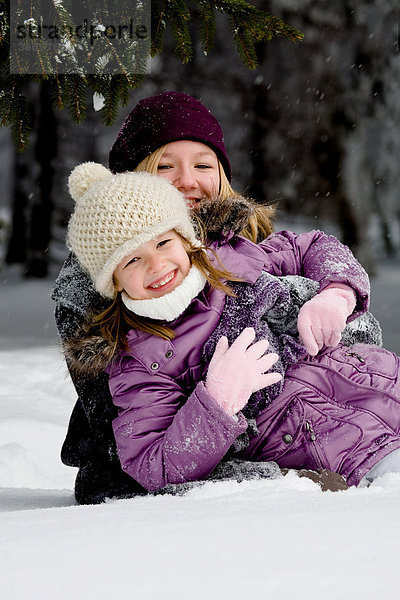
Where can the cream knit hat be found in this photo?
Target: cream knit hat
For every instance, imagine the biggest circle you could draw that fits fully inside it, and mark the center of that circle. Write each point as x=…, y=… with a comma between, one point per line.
x=115, y=214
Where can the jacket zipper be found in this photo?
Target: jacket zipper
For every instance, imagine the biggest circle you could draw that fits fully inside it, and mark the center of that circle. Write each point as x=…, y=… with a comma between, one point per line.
x=313, y=446
x=358, y=356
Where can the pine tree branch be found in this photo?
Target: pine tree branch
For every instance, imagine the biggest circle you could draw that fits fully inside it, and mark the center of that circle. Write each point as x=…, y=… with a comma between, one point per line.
x=76, y=97
x=179, y=16
x=207, y=18
x=244, y=44
x=158, y=25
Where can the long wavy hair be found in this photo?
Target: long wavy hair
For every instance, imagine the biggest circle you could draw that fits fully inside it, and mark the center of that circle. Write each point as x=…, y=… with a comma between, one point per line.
x=259, y=225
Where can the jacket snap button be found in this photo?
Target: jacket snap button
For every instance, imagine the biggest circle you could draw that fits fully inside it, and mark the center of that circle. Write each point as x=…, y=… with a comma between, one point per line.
x=287, y=438
x=168, y=354
x=154, y=366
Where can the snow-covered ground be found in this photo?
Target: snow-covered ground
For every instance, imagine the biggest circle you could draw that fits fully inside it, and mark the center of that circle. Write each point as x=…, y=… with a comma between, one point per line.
x=224, y=539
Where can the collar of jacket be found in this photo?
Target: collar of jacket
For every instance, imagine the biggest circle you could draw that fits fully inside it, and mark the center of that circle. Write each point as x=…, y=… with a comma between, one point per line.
x=225, y=217
x=240, y=256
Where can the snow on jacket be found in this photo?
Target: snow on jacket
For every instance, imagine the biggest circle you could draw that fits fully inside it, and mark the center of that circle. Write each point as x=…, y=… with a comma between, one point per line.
x=169, y=429
x=90, y=443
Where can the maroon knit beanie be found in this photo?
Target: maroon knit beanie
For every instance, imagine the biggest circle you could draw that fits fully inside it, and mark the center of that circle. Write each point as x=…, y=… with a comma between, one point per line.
x=161, y=119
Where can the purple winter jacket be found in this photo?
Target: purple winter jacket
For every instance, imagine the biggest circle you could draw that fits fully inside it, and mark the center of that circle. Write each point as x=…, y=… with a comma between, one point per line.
x=170, y=430
x=338, y=411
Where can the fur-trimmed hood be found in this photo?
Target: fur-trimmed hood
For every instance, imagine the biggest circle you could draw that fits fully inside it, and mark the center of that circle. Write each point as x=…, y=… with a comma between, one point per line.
x=88, y=355
x=223, y=217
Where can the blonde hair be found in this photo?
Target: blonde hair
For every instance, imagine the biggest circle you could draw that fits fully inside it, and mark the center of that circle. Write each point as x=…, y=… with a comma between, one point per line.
x=259, y=225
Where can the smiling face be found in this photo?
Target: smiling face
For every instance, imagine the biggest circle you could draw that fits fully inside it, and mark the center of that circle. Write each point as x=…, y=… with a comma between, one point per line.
x=192, y=167
x=154, y=269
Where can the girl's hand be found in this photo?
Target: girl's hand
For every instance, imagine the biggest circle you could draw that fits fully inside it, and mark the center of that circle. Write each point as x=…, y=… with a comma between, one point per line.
x=238, y=371
x=322, y=319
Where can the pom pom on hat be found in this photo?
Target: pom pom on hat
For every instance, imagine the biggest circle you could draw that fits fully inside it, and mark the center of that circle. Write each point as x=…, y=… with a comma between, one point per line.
x=84, y=176
x=115, y=214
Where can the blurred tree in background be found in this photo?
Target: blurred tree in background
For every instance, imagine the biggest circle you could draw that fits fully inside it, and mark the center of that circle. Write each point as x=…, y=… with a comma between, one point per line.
x=327, y=115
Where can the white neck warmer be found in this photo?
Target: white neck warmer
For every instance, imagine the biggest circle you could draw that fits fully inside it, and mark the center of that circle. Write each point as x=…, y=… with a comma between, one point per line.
x=170, y=306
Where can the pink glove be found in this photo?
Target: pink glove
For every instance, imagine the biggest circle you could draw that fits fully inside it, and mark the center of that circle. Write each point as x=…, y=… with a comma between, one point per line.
x=235, y=373
x=322, y=319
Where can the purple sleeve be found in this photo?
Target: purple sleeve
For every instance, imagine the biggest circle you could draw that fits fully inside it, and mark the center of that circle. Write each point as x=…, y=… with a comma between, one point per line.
x=161, y=436
x=320, y=257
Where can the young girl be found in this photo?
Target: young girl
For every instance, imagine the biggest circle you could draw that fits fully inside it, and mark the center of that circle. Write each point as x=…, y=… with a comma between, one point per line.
x=182, y=389
x=174, y=136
